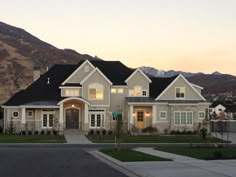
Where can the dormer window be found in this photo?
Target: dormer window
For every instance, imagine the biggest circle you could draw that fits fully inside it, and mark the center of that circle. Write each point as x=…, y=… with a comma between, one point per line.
x=95, y=92
x=71, y=92
x=180, y=92
x=137, y=91
x=144, y=92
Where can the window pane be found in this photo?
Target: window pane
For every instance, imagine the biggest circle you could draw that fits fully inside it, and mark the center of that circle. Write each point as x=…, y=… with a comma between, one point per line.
x=177, y=118
x=183, y=118
x=137, y=91
x=98, y=120
x=45, y=120
x=201, y=115
x=113, y=90
x=140, y=116
x=120, y=90
x=189, y=118
x=92, y=93
x=50, y=120
x=99, y=94
x=92, y=121
x=163, y=115
x=180, y=91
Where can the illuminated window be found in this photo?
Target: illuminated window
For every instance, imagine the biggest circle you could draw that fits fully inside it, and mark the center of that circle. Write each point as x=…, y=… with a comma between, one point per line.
x=113, y=90
x=95, y=92
x=120, y=90
x=137, y=91
x=71, y=92
x=180, y=92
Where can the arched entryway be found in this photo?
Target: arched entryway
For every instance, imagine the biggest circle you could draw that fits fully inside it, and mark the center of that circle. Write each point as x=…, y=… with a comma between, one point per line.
x=72, y=118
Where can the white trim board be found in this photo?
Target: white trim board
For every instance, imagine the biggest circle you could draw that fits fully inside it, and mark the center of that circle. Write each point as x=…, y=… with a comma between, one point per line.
x=180, y=76
x=86, y=61
x=90, y=74
x=138, y=70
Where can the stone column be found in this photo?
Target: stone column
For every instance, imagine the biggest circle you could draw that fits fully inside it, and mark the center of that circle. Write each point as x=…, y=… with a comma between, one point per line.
x=131, y=117
x=154, y=114
x=86, y=121
x=61, y=118
x=23, y=119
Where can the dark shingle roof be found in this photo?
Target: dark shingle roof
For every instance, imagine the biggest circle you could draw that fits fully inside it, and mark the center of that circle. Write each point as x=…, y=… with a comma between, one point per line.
x=159, y=84
x=115, y=71
x=40, y=90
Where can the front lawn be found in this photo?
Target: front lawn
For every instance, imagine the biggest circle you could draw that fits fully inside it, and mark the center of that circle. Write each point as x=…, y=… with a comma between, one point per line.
x=153, y=139
x=32, y=139
x=206, y=153
x=129, y=155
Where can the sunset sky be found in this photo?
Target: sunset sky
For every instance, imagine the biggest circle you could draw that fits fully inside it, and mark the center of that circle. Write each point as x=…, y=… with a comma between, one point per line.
x=187, y=35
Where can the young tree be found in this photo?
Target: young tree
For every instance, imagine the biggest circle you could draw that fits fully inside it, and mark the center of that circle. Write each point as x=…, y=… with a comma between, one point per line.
x=118, y=131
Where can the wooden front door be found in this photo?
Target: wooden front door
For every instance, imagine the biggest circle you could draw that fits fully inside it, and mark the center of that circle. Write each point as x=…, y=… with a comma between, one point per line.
x=72, y=119
x=140, y=119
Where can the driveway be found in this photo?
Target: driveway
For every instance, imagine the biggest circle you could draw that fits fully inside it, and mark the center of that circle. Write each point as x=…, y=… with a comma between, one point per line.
x=52, y=162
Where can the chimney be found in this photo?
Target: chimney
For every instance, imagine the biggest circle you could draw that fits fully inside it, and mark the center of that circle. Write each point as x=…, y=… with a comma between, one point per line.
x=36, y=73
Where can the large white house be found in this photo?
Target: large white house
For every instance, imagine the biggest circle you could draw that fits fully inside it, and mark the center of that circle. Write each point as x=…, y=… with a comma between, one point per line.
x=91, y=94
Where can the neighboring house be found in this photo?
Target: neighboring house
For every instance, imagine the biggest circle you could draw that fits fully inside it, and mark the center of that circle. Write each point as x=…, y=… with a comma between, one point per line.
x=92, y=94
x=217, y=109
x=231, y=111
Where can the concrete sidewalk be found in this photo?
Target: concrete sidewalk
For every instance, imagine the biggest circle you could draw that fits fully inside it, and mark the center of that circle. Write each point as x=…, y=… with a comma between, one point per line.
x=181, y=166
x=74, y=137
x=232, y=137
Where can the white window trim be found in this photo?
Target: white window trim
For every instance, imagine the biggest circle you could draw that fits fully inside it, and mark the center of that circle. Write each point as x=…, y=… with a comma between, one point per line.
x=103, y=119
x=120, y=89
x=48, y=113
x=15, y=117
x=146, y=93
x=97, y=84
x=71, y=92
x=199, y=114
x=180, y=125
x=27, y=113
x=165, y=115
x=180, y=98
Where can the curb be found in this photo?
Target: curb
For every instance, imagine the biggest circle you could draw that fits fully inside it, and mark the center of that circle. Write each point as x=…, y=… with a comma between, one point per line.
x=116, y=164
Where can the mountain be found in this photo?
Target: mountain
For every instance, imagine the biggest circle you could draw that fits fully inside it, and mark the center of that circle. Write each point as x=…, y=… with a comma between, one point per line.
x=216, y=85
x=21, y=52
x=161, y=73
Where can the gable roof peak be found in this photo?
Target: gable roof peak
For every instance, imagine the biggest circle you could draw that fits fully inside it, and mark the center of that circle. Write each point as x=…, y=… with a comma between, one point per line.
x=138, y=70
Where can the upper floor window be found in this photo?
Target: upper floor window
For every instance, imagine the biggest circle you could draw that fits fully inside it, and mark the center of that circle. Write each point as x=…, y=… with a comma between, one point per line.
x=71, y=92
x=180, y=92
x=120, y=90
x=113, y=90
x=95, y=92
x=136, y=91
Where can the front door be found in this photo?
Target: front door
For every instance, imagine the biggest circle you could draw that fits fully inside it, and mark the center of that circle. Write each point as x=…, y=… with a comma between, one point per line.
x=72, y=118
x=140, y=119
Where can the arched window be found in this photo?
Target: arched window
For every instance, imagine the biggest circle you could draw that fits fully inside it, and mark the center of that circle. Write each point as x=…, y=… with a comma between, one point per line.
x=95, y=91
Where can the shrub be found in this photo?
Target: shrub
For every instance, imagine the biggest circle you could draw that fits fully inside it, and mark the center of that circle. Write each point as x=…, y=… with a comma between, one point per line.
x=166, y=131
x=104, y=132
x=91, y=132
x=55, y=132
x=177, y=132
x=98, y=132
x=109, y=132
x=43, y=132
x=149, y=129
x=217, y=154
x=29, y=132
x=172, y=132
x=49, y=132
x=203, y=133
x=23, y=132
x=36, y=132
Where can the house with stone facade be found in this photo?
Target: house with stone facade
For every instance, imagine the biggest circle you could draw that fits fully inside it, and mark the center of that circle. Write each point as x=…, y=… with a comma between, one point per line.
x=92, y=94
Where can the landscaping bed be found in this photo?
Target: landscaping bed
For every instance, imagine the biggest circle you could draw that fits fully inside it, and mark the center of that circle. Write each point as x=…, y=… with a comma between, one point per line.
x=153, y=139
x=129, y=155
x=32, y=139
x=205, y=153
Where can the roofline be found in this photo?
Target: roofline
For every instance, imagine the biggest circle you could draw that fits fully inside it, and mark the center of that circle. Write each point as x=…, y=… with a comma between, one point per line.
x=86, y=61
x=138, y=70
x=180, y=75
x=32, y=106
x=197, y=86
x=90, y=74
x=73, y=98
x=73, y=87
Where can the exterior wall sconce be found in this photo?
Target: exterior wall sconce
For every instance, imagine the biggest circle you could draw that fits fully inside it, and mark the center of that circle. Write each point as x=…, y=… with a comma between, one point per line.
x=72, y=105
x=133, y=114
x=147, y=114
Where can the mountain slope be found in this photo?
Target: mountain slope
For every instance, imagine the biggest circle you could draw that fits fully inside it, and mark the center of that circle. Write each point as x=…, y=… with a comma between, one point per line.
x=20, y=52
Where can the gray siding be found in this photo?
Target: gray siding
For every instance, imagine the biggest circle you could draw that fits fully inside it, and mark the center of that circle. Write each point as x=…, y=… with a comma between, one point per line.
x=190, y=94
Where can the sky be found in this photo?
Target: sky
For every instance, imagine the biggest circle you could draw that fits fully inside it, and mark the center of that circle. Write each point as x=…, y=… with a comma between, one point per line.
x=186, y=35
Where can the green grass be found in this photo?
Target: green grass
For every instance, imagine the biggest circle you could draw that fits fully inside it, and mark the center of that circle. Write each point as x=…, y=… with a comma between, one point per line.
x=206, y=153
x=129, y=155
x=152, y=139
x=32, y=139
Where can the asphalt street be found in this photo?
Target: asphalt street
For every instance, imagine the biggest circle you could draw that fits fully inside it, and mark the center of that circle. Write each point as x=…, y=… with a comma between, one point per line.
x=46, y=161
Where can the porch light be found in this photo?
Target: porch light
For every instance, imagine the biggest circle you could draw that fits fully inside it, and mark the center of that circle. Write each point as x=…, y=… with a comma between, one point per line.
x=133, y=114
x=147, y=114
x=72, y=105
